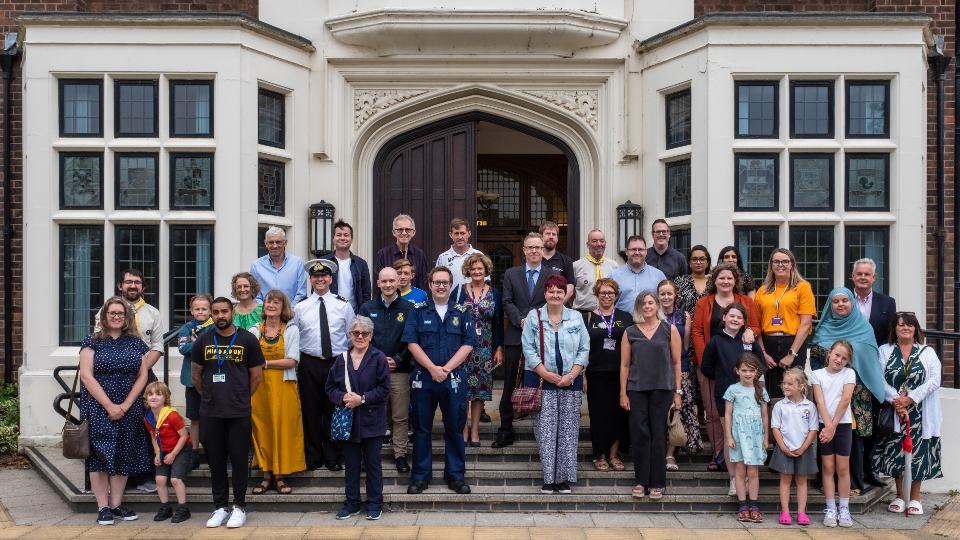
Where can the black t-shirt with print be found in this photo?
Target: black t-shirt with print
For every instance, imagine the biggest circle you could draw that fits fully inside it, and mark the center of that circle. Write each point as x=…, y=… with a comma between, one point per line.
x=230, y=398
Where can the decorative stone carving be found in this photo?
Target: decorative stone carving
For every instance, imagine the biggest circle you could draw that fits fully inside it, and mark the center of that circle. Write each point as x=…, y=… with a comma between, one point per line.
x=367, y=103
x=582, y=103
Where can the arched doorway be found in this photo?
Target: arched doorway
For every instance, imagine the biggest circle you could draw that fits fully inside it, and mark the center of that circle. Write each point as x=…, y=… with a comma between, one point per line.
x=503, y=176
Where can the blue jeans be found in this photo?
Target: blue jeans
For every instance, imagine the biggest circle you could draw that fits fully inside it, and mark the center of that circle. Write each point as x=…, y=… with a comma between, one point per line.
x=369, y=450
x=452, y=401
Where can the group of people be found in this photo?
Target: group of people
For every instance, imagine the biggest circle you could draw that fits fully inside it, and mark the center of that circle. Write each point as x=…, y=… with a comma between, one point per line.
x=268, y=370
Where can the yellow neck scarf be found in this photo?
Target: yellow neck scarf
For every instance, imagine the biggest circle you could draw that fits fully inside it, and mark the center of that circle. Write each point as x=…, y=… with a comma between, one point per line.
x=596, y=263
x=136, y=310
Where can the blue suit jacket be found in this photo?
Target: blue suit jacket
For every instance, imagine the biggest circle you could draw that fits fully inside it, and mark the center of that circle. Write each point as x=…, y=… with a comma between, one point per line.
x=882, y=311
x=361, y=279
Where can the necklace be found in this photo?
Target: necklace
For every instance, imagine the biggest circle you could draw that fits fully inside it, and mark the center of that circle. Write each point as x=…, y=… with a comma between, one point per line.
x=275, y=335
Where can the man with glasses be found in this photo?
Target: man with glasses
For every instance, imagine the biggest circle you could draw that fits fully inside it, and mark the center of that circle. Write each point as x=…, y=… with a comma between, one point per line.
x=440, y=338
x=389, y=314
x=323, y=319
x=589, y=269
x=663, y=257
x=553, y=258
x=404, y=229
x=279, y=269
x=636, y=276
x=522, y=291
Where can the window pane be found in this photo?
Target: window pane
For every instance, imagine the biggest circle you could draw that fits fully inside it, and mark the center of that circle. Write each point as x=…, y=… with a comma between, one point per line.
x=812, y=108
x=813, y=248
x=755, y=245
x=867, y=181
x=678, y=188
x=811, y=182
x=498, y=198
x=756, y=109
x=270, y=118
x=678, y=119
x=192, y=185
x=136, y=108
x=81, y=180
x=138, y=247
x=680, y=240
x=136, y=180
x=867, y=109
x=81, y=285
x=270, y=198
x=756, y=181
x=192, y=114
x=80, y=108
x=191, y=268
x=872, y=243
x=261, y=248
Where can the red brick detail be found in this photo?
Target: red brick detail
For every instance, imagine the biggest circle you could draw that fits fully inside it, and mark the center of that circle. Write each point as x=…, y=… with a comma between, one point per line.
x=247, y=7
x=702, y=7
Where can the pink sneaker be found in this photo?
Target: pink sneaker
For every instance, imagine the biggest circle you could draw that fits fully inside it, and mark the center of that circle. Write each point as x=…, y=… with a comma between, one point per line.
x=803, y=519
x=785, y=518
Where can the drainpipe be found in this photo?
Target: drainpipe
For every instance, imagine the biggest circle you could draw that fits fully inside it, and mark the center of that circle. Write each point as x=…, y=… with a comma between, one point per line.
x=7, y=59
x=940, y=63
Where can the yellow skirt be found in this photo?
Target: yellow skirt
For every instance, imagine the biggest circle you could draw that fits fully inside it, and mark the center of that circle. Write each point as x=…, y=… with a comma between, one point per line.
x=278, y=425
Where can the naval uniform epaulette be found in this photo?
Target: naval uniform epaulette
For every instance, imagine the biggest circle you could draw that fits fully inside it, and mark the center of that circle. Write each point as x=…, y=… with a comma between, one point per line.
x=342, y=299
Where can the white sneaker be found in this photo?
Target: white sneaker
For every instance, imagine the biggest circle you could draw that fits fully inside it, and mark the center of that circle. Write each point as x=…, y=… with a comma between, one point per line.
x=237, y=518
x=148, y=486
x=733, y=487
x=829, y=517
x=844, y=519
x=218, y=518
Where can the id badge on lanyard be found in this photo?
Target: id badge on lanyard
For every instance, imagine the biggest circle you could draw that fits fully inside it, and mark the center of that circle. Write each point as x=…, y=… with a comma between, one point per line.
x=609, y=344
x=220, y=376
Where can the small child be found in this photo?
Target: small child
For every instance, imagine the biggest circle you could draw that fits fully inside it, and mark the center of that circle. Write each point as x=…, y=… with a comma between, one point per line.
x=746, y=432
x=171, y=449
x=200, y=309
x=832, y=390
x=794, y=427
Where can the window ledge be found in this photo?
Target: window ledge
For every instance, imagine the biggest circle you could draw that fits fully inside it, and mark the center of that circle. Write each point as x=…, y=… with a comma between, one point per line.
x=79, y=144
x=204, y=217
x=279, y=221
x=772, y=145
x=191, y=144
x=274, y=153
x=672, y=154
x=79, y=216
x=142, y=145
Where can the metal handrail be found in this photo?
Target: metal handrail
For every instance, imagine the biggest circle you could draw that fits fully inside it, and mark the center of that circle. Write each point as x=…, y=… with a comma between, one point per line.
x=941, y=337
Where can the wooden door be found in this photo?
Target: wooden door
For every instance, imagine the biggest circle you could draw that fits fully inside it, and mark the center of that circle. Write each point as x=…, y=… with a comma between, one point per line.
x=432, y=177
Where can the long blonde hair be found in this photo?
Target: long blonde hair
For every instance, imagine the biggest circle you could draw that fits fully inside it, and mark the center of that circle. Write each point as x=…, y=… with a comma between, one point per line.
x=129, y=319
x=770, y=282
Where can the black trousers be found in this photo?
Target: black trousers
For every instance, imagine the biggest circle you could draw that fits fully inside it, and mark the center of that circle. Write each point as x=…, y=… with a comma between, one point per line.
x=511, y=366
x=367, y=450
x=317, y=410
x=648, y=429
x=225, y=438
x=778, y=347
x=608, y=420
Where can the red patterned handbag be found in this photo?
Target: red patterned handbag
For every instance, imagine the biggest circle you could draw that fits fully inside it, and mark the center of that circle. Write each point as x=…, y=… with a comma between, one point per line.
x=525, y=400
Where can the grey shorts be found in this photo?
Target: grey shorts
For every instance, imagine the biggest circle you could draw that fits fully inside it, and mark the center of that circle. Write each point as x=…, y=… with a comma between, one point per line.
x=805, y=465
x=181, y=465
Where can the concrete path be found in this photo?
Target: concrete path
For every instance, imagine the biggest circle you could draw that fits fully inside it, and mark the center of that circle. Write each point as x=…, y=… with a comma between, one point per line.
x=29, y=508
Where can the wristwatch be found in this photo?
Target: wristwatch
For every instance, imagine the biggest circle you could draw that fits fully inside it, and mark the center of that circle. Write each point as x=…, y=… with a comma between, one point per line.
x=363, y=399
x=679, y=392
x=793, y=354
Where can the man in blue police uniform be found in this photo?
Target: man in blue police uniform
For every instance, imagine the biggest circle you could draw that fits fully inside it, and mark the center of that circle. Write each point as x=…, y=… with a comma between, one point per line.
x=440, y=337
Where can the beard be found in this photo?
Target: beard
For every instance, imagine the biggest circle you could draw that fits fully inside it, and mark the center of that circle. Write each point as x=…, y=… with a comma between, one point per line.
x=132, y=295
x=549, y=244
x=223, y=323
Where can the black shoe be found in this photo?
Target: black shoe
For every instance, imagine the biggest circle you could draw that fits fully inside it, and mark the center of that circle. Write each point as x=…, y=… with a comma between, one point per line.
x=334, y=466
x=105, y=516
x=182, y=514
x=501, y=441
x=195, y=460
x=548, y=488
x=458, y=486
x=563, y=487
x=164, y=513
x=124, y=513
x=416, y=488
x=402, y=465
x=484, y=417
x=873, y=481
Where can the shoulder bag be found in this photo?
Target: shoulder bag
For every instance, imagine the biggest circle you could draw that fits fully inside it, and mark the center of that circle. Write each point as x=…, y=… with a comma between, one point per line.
x=341, y=423
x=76, y=437
x=526, y=401
x=676, y=435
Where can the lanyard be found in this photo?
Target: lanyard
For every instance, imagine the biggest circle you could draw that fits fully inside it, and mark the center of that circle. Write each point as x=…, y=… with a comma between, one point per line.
x=779, y=298
x=216, y=348
x=608, y=324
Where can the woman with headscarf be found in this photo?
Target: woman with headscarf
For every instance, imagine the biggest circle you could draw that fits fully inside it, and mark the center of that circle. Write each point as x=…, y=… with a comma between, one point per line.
x=841, y=320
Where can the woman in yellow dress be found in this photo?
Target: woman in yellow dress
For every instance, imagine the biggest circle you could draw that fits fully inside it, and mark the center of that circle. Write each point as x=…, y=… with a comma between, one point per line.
x=277, y=424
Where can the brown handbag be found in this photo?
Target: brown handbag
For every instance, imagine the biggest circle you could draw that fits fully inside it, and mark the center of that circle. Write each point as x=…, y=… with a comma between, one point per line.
x=76, y=437
x=526, y=401
x=676, y=435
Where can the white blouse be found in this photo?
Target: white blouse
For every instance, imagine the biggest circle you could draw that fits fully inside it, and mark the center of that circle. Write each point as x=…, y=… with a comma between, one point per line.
x=926, y=393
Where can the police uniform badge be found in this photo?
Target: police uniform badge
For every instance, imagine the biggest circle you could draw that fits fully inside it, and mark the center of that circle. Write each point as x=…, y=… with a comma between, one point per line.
x=399, y=317
x=456, y=320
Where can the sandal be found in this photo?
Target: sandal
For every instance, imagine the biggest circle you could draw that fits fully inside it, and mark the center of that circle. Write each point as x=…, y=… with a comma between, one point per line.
x=803, y=519
x=713, y=467
x=656, y=494
x=616, y=464
x=896, y=505
x=262, y=487
x=638, y=492
x=915, y=508
x=755, y=515
x=786, y=519
x=744, y=515
x=854, y=492
x=282, y=487
x=672, y=464
x=601, y=464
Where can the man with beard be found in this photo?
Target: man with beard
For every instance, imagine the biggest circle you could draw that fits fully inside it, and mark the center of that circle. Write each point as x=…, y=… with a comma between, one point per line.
x=323, y=319
x=591, y=268
x=353, y=275
x=227, y=368
x=552, y=258
x=636, y=276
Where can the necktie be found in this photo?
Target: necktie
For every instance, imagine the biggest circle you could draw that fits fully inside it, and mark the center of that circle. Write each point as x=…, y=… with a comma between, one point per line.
x=596, y=263
x=325, y=350
x=531, y=282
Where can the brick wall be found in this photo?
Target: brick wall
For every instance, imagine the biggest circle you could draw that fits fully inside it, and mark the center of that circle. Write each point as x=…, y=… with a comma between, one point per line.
x=701, y=7
x=248, y=7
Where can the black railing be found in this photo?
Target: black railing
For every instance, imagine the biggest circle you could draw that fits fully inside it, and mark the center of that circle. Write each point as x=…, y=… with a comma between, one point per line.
x=938, y=339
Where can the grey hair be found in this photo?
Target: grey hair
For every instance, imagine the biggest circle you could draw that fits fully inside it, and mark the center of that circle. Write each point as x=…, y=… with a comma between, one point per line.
x=637, y=315
x=363, y=322
x=402, y=217
x=275, y=231
x=866, y=260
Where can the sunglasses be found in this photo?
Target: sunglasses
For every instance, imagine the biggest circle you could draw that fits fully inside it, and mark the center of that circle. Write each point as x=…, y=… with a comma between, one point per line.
x=359, y=334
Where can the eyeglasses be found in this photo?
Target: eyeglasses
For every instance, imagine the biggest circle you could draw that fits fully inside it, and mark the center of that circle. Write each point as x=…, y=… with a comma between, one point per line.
x=532, y=248
x=132, y=282
x=607, y=293
x=635, y=250
x=900, y=313
x=403, y=231
x=359, y=334
x=116, y=314
x=698, y=259
x=781, y=262
x=661, y=233
x=440, y=283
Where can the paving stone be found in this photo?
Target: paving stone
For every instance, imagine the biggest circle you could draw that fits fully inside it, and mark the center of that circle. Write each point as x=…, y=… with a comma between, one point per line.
x=834, y=534
x=56, y=533
x=161, y=532
x=485, y=519
x=500, y=533
x=15, y=531
x=621, y=519
x=562, y=520
x=119, y=530
x=448, y=519
x=552, y=533
x=669, y=534
x=390, y=533
x=326, y=519
x=445, y=533
x=612, y=534
x=709, y=521
x=339, y=533
x=224, y=533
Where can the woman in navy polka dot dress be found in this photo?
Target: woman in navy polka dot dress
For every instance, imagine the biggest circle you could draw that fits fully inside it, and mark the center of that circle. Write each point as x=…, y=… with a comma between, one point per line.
x=110, y=362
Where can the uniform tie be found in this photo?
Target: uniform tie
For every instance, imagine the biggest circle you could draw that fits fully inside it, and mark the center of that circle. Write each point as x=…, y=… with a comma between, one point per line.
x=325, y=350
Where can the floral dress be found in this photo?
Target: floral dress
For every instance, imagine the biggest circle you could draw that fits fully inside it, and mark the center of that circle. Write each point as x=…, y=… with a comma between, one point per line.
x=690, y=393
x=488, y=323
x=887, y=454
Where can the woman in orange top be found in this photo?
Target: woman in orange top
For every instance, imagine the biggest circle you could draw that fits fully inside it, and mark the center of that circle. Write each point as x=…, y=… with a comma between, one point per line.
x=723, y=289
x=787, y=307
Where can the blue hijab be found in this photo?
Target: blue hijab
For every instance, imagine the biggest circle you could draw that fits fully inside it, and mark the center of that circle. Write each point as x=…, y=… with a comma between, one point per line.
x=855, y=329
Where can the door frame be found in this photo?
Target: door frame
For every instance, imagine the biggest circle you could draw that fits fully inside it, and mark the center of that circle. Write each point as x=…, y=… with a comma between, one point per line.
x=573, y=170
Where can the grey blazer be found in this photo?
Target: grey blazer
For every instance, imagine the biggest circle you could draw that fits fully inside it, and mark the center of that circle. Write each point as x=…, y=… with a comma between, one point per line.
x=517, y=302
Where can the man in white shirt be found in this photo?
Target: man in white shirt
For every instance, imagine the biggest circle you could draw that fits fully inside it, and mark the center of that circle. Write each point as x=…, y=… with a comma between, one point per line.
x=459, y=250
x=323, y=319
x=589, y=269
x=353, y=275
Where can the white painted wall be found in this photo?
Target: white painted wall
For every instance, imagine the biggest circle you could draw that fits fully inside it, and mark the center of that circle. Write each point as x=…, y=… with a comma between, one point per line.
x=950, y=444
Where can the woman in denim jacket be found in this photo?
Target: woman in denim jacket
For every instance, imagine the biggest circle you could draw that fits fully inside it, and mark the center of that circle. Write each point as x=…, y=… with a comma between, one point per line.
x=558, y=360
